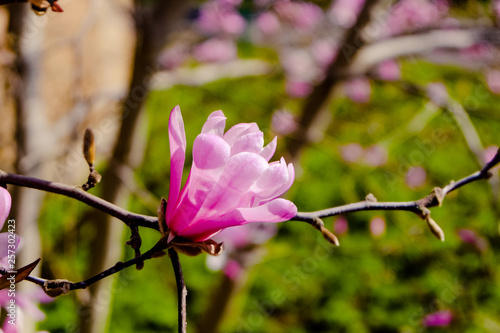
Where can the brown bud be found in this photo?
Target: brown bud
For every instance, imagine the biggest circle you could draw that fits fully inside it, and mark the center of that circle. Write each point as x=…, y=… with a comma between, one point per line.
x=435, y=228
x=89, y=147
x=329, y=236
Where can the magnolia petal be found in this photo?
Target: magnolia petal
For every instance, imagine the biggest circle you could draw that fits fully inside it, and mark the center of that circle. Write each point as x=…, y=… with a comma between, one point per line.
x=177, y=140
x=242, y=170
x=270, y=183
x=210, y=155
x=5, y=203
x=238, y=175
x=210, y=151
x=251, y=142
x=215, y=124
x=277, y=210
x=268, y=151
x=238, y=130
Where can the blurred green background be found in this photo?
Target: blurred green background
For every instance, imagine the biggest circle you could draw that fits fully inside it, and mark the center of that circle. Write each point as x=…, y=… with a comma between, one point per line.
x=303, y=284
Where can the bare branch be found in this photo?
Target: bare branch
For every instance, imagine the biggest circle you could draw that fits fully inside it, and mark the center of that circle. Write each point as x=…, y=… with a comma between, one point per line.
x=419, y=207
x=79, y=194
x=181, y=291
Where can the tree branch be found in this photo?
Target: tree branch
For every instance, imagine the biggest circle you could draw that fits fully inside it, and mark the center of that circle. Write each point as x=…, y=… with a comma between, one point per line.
x=79, y=194
x=181, y=291
x=419, y=207
x=57, y=287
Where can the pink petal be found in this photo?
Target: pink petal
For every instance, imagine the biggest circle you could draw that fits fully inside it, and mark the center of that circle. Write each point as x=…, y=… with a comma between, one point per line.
x=238, y=175
x=210, y=154
x=177, y=140
x=215, y=124
x=5, y=203
x=242, y=170
x=238, y=130
x=271, y=181
x=277, y=210
x=210, y=151
x=268, y=151
x=251, y=142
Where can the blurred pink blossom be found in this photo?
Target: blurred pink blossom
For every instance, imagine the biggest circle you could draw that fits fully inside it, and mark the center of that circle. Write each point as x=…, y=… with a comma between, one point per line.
x=268, y=23
x=375, y=156
x=215, y=50
x=493, y=81
x=25, y=304
x=245, y=235
x=232, y=269
x=389, y=70
x=471, y=237
x=437, y=93
x=231, y=182
x=229, y=3
x=496, y=8
x=324, y=52
x=415, y=177
x=283, y=122
x=340, y=225
x=408, y=15
x=174, y=56
x=358, y=90
x=238, y=245
x=298, y=88
x=301, y=15
x=345, y=12
x=478, y=52
x=489, y=153
x=438, y=319
x=377, y=226
x=5, y=204
x=215, y=19
x=352, y=152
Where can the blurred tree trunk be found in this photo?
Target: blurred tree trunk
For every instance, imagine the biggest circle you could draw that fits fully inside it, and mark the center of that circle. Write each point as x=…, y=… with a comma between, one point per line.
x=153, y=24
x=25, y=79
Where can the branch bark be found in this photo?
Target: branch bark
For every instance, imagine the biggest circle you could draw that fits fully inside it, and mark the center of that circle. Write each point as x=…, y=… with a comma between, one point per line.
x=419, y=207
x=181, y=291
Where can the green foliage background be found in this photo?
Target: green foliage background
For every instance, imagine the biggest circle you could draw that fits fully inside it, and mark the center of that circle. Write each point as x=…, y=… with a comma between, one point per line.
x=303, y=284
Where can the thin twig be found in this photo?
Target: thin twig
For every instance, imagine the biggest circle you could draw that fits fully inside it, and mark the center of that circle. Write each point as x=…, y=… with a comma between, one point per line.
x=419, y=207
x=48, y=285
x=77, y=193
x=181, y=291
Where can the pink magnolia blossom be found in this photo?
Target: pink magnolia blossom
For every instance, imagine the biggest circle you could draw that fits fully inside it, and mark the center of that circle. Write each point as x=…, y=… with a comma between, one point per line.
x=268, y=23
x=489, y=153
x=283, y=122
x=389, y=70
x=302, y=15
x=239, y=247
x=415, y=177
x=216, y=50
x=377, y=226
x=471, y=237
x=438, y=319
x=231, y=182
x=5, y=203
x=340, y=226
x=358, y=90
x=493, y=81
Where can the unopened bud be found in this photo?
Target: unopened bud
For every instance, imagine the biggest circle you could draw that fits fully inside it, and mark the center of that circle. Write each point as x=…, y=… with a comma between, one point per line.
x=89, y=147
x=435, y=228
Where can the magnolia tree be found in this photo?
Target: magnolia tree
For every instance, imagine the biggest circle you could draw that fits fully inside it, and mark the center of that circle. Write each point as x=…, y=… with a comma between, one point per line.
x=236, y=190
